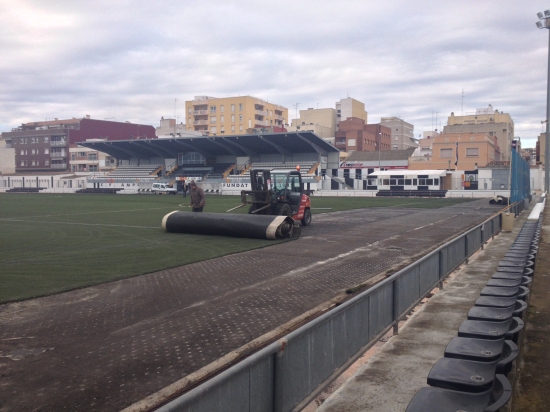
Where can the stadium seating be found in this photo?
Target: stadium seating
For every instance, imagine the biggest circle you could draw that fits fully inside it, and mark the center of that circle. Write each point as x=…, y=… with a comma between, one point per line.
x=472, y=374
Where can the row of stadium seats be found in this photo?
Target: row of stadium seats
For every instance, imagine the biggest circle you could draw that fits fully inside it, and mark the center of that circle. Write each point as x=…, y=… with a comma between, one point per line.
x=472, y=374
x=132, y=172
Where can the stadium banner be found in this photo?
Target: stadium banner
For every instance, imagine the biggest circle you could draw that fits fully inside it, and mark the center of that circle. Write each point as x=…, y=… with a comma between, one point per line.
x=235, y=186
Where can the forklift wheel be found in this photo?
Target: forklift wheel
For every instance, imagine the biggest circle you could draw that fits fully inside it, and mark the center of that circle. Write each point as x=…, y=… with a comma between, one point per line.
x=306, y=221
x=283, y=209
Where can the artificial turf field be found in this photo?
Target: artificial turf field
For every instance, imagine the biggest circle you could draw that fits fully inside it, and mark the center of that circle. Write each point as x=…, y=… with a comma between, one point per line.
x=51, y=243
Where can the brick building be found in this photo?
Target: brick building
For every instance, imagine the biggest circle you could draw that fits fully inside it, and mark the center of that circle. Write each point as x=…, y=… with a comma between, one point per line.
x=354, y=135
x=44, y=146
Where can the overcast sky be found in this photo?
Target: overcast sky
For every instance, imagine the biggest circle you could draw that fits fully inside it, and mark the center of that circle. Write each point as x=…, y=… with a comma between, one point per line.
x=130, y=60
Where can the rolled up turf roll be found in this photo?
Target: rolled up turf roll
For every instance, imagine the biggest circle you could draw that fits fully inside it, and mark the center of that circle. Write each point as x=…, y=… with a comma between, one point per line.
x=220, y=224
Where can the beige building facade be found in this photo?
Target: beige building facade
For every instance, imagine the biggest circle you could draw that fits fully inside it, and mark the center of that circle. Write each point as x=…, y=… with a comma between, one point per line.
x=474, y=150
x=489, y=121
x=7, y=157
x=319, y=121
x=232, y=115
x=349, y=107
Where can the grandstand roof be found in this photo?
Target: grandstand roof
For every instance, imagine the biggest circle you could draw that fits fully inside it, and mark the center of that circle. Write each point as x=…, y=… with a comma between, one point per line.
x=212, y=146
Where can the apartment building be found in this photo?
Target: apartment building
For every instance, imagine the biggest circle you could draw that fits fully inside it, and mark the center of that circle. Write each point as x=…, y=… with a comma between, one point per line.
x=322, y=122
x=459, y=151
x=349, y=107
x=354, y=135
x=402, y=133
x=490, y=121
x=44, y=146
x=232, y=115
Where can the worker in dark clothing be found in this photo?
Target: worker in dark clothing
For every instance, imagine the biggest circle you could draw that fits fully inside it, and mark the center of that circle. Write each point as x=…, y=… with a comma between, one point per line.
x=184, y=189
x=197, y=197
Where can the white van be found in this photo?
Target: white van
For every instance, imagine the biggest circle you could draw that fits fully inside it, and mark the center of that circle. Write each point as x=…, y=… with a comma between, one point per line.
x=161, y=188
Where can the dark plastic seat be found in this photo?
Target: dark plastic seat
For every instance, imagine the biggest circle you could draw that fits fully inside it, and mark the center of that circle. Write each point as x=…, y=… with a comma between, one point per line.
x=432, y=399
x=523, y=293
x=480, y=350
x=511, y=269
x=507, y=275
x=505, y=283
x=519, y=308
x=528, y=272
x=483, y=329
x=520, y=255
x=526, y=281
x=500, y=291
x=490, y=314
x=495, y=301
x=462, y=375
x=500, y=352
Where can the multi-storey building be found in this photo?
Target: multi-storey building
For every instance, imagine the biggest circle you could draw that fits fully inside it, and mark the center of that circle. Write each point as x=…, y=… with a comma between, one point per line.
x=354, y=135
x=232, y=115
x=168, y=128
x=458, y=151
x=490, y=121
x=402, y=133
x=348, y=107
x=44, y=146
x=322, y=122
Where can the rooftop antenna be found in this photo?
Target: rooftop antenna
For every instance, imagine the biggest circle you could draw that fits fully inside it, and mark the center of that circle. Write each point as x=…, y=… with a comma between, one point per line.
x=462, y=102
x=296, y=107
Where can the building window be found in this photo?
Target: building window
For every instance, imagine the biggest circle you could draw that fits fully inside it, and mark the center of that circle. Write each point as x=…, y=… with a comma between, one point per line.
x=232, y=128
x=34, y=140
x=232, y=107
x=212, y=119
x=81, y=154
x=212, y=129
x=240, y=106
x=213, y=109
x=46, y=151
x=221, y=108
x=23, y=163
x=446, y=153
x=240, y=128
x=271, y=113
x=46, y=139
x=46, y=162
x=232, y=118
x=472, y=152
x=190, y=110
x=33, y=162
x=92, y=156
x=222, y=118
x=23, y=152
x=222, y=129
x=240, y=118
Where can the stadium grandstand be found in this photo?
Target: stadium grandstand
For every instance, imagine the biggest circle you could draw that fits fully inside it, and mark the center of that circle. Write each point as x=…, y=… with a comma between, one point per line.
x=216, y=161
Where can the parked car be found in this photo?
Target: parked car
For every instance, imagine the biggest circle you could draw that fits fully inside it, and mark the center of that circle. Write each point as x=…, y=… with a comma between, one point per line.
x=163, y=188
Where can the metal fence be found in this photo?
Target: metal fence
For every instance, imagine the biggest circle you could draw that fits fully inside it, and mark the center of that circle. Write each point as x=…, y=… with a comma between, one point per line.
x=289, y=373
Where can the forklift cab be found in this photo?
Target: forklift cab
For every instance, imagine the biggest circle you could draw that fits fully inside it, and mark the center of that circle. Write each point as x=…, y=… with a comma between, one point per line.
x=287, y=187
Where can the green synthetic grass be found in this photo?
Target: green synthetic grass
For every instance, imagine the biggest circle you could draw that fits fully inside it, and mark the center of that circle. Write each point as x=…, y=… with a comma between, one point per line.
x=51, y=243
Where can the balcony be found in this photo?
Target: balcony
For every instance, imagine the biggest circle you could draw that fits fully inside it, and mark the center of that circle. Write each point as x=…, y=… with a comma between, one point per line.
x=260, y=123
x=261, y=112
x=54, y=155
x=200, y=122
x=59, y=166
x=279, y=117
x=199, y=112
x=58, y=143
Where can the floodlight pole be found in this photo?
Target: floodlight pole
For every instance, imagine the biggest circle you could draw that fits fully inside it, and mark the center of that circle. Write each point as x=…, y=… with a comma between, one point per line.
x=544, y=23
x=547, y=138
x=379, y=144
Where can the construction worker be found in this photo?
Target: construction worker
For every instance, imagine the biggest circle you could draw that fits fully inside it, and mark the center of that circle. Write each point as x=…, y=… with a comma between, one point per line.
x=198, y=199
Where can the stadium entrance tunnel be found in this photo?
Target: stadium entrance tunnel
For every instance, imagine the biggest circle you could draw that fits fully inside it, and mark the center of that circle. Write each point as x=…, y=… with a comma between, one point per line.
x=219, y=224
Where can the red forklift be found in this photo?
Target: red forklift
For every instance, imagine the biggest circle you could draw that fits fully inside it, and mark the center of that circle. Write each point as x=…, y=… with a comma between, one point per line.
x=277, y=192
